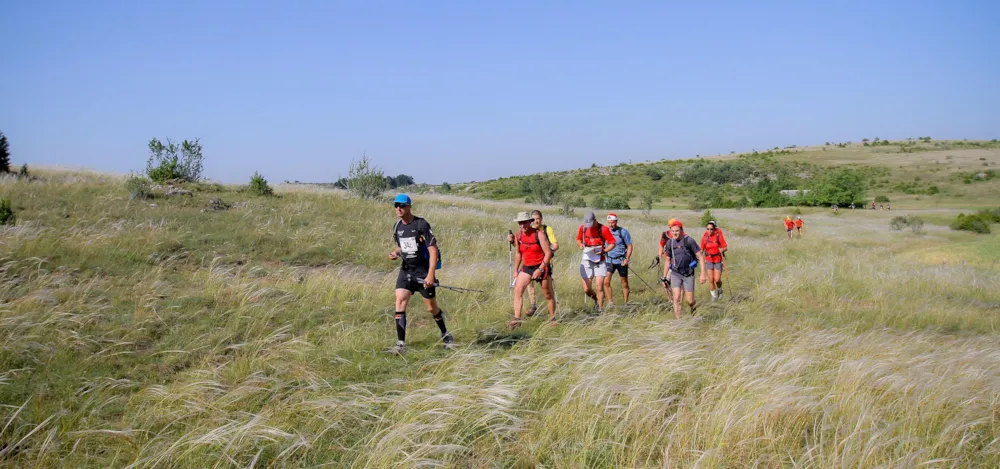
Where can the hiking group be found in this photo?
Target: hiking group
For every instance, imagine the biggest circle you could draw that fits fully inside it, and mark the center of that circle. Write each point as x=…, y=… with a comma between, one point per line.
x=792, y=227
x=605, y=250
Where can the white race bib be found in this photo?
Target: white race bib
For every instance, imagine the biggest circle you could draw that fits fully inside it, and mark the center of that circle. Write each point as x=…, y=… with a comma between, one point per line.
x=408, y=245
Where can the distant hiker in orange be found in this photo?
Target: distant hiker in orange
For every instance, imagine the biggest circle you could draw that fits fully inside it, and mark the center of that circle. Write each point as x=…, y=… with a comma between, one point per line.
x=789, y=226
x=798, y=225
x=713, y=244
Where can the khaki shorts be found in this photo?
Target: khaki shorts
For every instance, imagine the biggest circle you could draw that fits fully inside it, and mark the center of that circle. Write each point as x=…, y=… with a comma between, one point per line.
x=590, y=269
x=677, y=282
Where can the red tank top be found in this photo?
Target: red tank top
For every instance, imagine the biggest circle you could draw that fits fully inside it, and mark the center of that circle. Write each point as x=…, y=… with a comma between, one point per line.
x=530, y=249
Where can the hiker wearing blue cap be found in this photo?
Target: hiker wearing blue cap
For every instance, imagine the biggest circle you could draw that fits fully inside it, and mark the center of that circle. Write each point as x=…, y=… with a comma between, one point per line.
x=418, y=249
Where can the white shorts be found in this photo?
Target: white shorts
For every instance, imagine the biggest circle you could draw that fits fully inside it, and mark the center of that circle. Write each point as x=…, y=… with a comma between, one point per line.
x=591, y=269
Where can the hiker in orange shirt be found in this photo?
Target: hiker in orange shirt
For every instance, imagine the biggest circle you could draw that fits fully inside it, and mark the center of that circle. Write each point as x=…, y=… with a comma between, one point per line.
x=789, y=226
x=713, y=244
x=798, y=225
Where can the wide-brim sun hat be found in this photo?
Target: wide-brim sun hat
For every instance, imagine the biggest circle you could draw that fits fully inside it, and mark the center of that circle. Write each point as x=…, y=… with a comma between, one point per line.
x=523, y=216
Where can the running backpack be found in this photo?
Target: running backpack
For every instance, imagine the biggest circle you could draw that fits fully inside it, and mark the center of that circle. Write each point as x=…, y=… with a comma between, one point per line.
x=684, y=271
x=423, y=246
x=600, y=234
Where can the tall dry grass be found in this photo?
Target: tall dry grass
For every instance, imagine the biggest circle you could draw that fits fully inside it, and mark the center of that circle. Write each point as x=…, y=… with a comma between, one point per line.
x=141, y=336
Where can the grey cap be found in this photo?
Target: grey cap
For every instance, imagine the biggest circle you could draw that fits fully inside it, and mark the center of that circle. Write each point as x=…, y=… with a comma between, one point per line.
x=588, y=219
x=523, y=216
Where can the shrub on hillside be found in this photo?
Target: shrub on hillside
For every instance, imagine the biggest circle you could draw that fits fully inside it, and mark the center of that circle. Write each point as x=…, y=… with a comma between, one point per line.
x=839, y=186
x=914, y=223
x=706, y=217
x=138, y=187
x=610, y=202
x=7, y=216
x=971, y=223
x=172, y=161
x=566, y=207
x=365, y=180
x=4, y=154
x=543, y=190
x=881, y=199
x=989, y=215
x=259, y=186
x=646, y=202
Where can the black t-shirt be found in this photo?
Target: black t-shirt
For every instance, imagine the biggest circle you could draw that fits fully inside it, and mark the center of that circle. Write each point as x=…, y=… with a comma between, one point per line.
x=413, y=239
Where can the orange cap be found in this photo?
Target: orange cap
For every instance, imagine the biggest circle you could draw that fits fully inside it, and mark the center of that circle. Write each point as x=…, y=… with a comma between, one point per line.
x=675, y=222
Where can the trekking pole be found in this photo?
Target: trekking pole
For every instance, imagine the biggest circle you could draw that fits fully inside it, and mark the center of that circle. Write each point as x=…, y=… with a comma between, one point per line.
x=510, y=265
x=725, y=271
x=644, y=282
x=448, y=287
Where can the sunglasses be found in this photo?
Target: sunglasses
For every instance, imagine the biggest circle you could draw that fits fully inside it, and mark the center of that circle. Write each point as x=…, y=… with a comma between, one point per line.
x=399, y=205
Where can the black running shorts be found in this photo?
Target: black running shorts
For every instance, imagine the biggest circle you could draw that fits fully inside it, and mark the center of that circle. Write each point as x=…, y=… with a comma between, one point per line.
x=408, y=281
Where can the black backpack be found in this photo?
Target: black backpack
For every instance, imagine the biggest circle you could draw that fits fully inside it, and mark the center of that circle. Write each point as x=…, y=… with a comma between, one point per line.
x=686, y=270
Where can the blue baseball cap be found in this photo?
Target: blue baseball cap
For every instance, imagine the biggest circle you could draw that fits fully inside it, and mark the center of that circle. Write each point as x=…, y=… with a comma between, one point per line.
x=403, y=199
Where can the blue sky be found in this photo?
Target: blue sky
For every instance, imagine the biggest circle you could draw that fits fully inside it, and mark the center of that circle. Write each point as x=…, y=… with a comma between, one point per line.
x=460, y=91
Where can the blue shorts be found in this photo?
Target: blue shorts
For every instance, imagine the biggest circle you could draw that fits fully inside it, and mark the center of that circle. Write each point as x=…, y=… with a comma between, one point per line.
x=621, y=269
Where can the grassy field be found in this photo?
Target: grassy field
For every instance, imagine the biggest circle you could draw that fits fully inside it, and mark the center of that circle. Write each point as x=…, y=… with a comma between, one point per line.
x=157, y=334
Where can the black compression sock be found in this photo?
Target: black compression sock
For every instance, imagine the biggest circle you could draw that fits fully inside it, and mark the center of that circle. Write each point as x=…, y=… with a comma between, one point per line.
x=439, y=320
x=401, y=326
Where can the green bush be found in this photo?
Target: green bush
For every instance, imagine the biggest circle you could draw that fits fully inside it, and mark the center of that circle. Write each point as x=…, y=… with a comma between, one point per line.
x=172, y=161
x=881, y=199
x=971, y=223
x=4, y=154
x=259, y=185
x=566, y=207
x=543, y=190
x=646, y=201
x=23, y=172
x=6, y=212
x=706, y=217
x=138, y=187
x=767, y=193
x=840, y=186
x=445, y=187
x=165, y=171
x=915, y=223
x=365, y=180
x=610, y=202
x=989, y=215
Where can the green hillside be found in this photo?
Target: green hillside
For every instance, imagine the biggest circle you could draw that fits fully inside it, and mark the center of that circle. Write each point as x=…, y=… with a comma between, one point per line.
x=909, y=173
